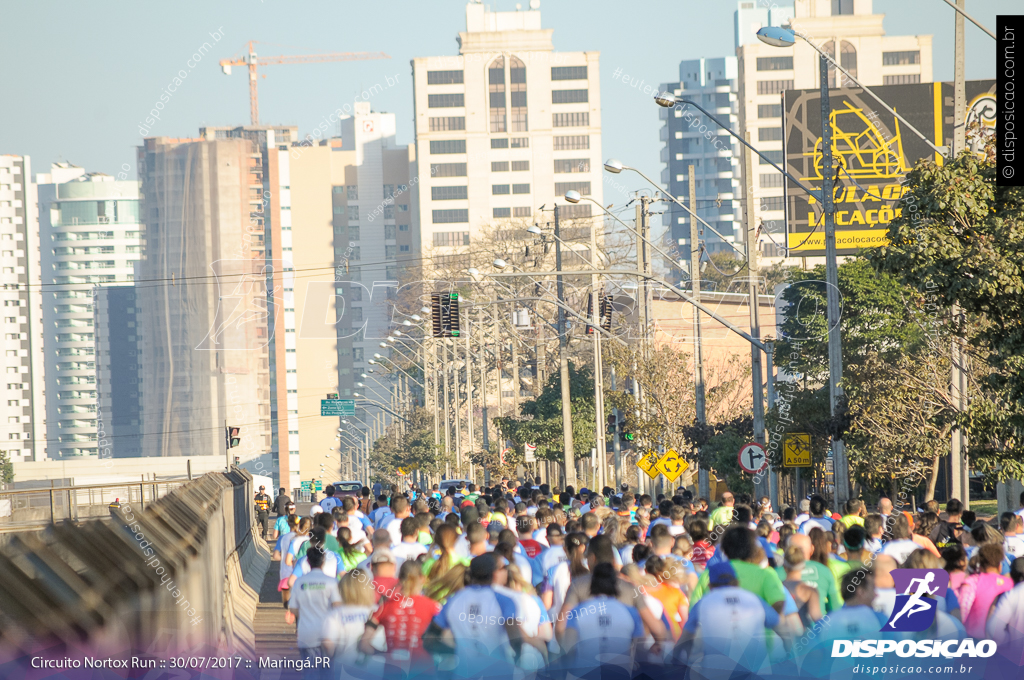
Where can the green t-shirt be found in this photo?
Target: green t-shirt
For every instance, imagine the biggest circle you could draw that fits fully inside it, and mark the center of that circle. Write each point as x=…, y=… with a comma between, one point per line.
x=762, y=582
x=720, y=515
x=821, y=577
x=330, y=543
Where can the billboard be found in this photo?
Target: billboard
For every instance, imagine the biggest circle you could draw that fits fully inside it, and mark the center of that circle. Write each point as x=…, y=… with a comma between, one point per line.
x=875, y=151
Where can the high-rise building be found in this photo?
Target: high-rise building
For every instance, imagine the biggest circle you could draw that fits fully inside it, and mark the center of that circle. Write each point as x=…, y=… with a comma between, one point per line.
x=23, y=433
x=715, y=157
x=118, y=371
x=344, y=229
x=206, y=315
x=847, y=28
x=89, y=231
x=505, y=126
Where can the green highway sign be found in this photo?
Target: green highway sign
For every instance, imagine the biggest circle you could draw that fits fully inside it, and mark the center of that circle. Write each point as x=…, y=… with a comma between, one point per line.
x=337, y=407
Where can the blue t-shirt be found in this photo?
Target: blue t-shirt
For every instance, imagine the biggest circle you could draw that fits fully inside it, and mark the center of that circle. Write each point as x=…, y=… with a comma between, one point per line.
x=605, y=631
x=476, y=616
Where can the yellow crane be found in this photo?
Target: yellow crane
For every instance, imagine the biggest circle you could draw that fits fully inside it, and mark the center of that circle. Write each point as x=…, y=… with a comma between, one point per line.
x=252, y=61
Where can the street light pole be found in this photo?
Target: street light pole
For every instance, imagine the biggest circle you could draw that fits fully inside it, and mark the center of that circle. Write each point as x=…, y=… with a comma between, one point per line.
x=760, y=488
x=563, y=364
x=835, y=352
x=703, y=474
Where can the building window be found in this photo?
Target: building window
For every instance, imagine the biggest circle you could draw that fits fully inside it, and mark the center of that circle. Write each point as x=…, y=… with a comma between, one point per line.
x=501, y=213
x=403, y=227
x=773, y=202
x=568, y=73
x=450, y=216
x=908, y=79
x=570, y=212
x=572, y=143
x=337, y=190
x=521, y=212
x=769, y=110
x=582, y=188
x=579, y=119
x=520, y=188
x=450, y=239
x=771, y=180
x=517, y=78
x=448, y=169
x=354, y=253
x=499, y=143
x=352, y=192
x=773, y=86
x=569, y=96
x=500, y=189
x=520, y=142
x=774, y=156
x=847, y=60
x=842, y=7
x=771, y=134
x=520, y=166
x=353, y=213
x=901, y=58
x=448, y=193
x=496, y=94
x=444, y=77
x=446, y=101
x=572, y=165
x=499, y=166
x=448, y=146
x=447, y=123
x=775, y=63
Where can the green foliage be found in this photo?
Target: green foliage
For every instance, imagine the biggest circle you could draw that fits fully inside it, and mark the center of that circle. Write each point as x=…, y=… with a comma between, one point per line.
x=6, y=468
x=721, y=450
x=958, y=239
x=541, y=420
x=407, y=445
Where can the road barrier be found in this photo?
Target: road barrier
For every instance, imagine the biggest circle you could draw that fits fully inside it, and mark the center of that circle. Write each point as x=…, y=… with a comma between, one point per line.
x=180, y=576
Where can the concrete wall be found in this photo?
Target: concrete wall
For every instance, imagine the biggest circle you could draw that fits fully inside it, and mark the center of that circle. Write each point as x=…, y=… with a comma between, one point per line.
x=116, y=469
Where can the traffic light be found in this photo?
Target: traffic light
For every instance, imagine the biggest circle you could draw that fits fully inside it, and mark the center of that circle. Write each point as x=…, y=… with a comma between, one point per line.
x=238, y=461
x=605, y=317
x=444, y=312
x=233, y=436
x=610, y=426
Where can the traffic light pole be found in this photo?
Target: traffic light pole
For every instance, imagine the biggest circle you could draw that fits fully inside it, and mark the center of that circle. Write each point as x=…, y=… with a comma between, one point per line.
x=227, y=446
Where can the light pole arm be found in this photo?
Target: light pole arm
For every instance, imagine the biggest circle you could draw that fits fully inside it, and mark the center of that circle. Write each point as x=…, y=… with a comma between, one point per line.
x=971, y=19
x=565, y=308
x=382, y=406
x=394, y=365
x=794, y=180
x=939, y=150
x=632, y=272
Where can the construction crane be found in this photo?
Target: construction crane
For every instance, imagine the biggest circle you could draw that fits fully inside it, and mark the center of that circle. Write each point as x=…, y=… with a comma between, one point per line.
x=252, y=61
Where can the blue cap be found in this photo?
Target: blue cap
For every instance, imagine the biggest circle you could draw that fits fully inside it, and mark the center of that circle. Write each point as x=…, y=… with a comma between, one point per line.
x=721, y=574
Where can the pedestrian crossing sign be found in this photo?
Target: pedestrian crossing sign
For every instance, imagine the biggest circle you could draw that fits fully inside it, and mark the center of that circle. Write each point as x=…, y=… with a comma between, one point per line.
x=648, y=463
x=796, y=449
x=672, y=465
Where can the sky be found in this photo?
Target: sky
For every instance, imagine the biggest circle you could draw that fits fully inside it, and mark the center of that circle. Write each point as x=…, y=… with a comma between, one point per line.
x=77, y=79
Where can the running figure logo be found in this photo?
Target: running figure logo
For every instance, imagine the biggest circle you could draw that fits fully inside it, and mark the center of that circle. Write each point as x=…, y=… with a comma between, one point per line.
x=915, y=607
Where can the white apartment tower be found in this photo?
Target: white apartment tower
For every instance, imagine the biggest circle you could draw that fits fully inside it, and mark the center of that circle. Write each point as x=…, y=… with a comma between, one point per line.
x=847, y=28
x=89, y=231
x=505, y=126
x=23, y=432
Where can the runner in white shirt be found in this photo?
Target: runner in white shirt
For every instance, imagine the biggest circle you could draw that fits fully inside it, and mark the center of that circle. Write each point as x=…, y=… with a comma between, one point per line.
x=555, y=554
x=1006, y=622
x=478, y=624
x=601, y=631
x=400, y=508
x=562, y=573
x=312, y=597
x=730, y=624
x=344, y=625
x=409, y=548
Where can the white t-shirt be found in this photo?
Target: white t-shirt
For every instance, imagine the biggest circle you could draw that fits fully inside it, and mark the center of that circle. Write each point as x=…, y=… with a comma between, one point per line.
x=541, y=536
x=1007, y=619
x=900, y=549
x=551, y=557
x=344, y=627
x=731, y=622
x=408, y=551
x=476, y=617
x=1014, y=547
x=394, y=527
x=356, y=527
x=312, y=597
x=674, y=530
x=559, y=580
x=329, y=503
x=605, y=631
x=330, y=567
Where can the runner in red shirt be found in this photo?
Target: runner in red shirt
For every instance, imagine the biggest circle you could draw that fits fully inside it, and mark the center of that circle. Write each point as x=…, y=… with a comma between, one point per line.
x=405, y=619
x=526, y=526
x=382, y=564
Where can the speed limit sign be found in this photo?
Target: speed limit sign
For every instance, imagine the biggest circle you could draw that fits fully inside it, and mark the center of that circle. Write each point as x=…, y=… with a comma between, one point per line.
x=752, y=458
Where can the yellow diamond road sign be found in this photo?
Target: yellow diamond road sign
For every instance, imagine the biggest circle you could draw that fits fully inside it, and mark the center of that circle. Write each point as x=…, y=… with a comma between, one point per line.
x=796, y=449
x=672, y=465
x=647, y=463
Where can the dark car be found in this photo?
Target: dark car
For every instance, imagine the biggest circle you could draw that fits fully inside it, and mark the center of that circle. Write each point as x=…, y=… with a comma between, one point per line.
x=342, y=489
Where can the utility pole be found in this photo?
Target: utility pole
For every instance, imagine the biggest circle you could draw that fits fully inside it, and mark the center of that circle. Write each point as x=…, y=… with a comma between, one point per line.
x=835, y=350
x=563, y=364
x=483, y=394
x=760, y=486
x=469, y=400
x=595, y=321
x=447, y=420
x=960, y=476
x=643, y=257
x=616, y=445
x=703, y=476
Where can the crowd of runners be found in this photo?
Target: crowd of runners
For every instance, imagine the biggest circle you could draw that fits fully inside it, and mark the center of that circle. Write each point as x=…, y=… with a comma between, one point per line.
x=522, y=579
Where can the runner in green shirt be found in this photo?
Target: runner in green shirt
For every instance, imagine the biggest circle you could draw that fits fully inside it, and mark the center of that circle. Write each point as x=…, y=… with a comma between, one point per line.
x=816, y=574
x=722, y=515
x=740, y=544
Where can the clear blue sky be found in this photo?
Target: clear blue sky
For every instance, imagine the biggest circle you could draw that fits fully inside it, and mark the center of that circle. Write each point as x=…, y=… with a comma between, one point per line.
x=77, y=78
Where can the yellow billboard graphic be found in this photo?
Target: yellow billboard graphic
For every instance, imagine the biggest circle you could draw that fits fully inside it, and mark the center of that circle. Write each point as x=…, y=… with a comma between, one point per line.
x=866, y=238
x=861, y=148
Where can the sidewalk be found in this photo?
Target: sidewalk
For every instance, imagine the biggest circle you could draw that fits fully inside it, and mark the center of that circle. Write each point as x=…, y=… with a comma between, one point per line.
x=274, y=637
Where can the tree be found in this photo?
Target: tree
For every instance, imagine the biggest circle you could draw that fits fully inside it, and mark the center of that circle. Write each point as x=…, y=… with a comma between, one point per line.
x=6, y=468
x=409, y=446
x=957, y=241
